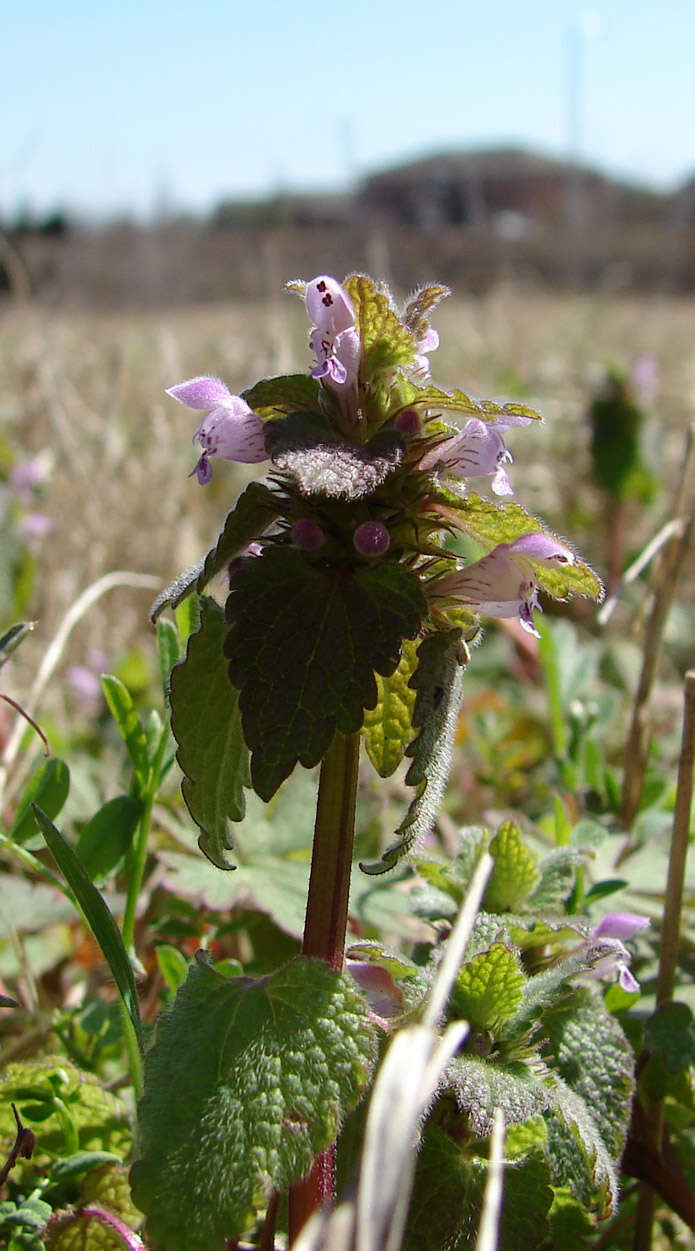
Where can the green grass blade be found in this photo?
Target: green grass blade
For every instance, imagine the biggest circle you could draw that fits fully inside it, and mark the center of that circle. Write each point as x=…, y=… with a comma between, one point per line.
x=97, y=916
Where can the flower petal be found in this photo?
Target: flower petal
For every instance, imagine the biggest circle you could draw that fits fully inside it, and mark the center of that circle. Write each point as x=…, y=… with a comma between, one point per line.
x=542, y=547
x=200, y=393
x=622, y=925
x=329, y=305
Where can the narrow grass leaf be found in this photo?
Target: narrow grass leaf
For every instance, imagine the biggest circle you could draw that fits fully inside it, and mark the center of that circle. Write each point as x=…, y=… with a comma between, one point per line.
x=97, y=916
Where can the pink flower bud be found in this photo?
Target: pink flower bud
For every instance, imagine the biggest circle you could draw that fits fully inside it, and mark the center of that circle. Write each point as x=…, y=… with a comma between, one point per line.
x=371, y=539
x=308, y=534
x=408, y=422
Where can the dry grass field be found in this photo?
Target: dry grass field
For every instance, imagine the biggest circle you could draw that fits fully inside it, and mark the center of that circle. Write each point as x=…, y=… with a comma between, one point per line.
x=85, y=392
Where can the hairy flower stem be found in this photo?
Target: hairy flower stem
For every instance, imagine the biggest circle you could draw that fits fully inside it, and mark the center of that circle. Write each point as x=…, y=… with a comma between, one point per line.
x=326, y=922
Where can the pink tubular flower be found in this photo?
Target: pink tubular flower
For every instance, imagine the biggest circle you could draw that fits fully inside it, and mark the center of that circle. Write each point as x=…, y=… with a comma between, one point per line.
x=504, y=583
x=479, y=450
x=608, y=939
x=428, y=343
x=335, y=340
x=231, y=430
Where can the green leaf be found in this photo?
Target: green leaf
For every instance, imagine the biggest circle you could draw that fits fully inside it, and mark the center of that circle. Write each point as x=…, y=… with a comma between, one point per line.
x=97, y=916
x=438, y=682
x=276, y=1065
x=515, y=872
x=168, y=650
x=108, y=1186
x=670, y=1033
x=90, y=1229
x=388, y=727
x=49, y=788
x=80, y=1163
x=122, y=709
x=491, y=524
x=172, y=965
x=570, y=1225
x=526, y=1200
x=435, y=400
x=11, y=639
x=448, y=1198
x=105, y=839
x=206, y=724
x=385, y=340
x=303, y=648
x=253, y=512
x=558, y=872
x=98, y=1118
x=277, y=397
x=266, y=882
x=577, y=1154
x=489, y=988
x=592, y=1096
x=593, y=1055
x=481, y=1085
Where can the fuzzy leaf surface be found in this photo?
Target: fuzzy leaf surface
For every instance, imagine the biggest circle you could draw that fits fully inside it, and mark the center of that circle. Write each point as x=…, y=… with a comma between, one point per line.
x=515, y=872
x=435, y=400
x=276, y=1065
x=385, y=340
x=592, y=1097
x=489, y=988
x=253, y=512
x=438, y=683
x=558, y=872
x=388, y=726
x=593, y=1055
x=481, y=1085
x=304, y=646
x=206, y=724
x=307, y=445
x=491, y=524
x=276, y=397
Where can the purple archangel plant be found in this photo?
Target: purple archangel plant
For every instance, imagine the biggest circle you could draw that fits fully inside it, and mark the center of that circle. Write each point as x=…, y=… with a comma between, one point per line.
x=348, y=622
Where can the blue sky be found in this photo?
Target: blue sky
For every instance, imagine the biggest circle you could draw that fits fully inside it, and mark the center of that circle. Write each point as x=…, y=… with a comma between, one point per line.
x=114, y=106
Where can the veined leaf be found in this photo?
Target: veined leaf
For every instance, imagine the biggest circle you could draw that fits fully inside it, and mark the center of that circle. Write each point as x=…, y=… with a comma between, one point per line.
x=304, y=646
x=388, y=727
x=438, y=682
x=251, y=515
x=515, y=872
x=491, y=524
x=276, y=1065
x=385, y=340
x=206, y=724
x=489, y=988
x=277, y=397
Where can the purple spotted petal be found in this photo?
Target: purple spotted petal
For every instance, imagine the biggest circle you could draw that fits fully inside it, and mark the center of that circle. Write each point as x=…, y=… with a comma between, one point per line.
x=542, y=547
x=328, y=305
x=200, y=393
x=234, y=434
